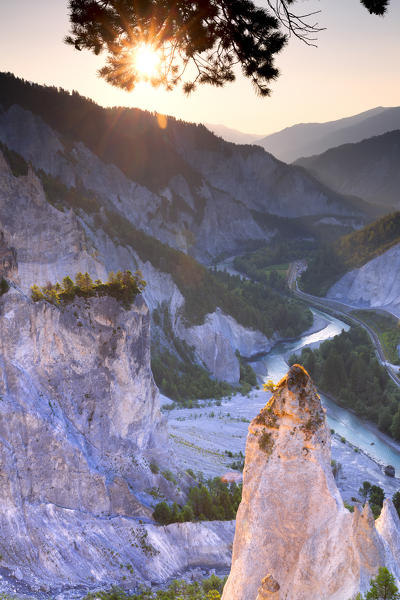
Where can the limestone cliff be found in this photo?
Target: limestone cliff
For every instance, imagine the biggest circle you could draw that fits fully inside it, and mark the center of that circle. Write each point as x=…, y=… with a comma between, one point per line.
x=79, y=427
x=374, y=285
x=79, y=415
x=294, y=538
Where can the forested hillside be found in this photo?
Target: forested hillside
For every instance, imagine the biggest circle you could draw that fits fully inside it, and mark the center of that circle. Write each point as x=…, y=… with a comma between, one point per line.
x=127, y=137
x=368, y=169
x=350, y=252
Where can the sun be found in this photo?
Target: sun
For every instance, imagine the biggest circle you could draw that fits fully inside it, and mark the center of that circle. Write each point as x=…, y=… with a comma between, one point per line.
x=147, y=61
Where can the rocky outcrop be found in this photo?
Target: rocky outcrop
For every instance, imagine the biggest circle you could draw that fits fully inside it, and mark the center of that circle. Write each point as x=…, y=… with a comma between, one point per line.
x=374, y=285
x=294, y=538
x=80, y=411
x=80, y=426
x=218, y=340
x=47, y=244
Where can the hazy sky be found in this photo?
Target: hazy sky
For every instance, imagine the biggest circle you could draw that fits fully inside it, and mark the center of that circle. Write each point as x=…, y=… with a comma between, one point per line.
x=355, y=67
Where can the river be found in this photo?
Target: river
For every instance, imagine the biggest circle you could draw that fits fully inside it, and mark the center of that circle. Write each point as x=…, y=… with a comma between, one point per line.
x=274, y=366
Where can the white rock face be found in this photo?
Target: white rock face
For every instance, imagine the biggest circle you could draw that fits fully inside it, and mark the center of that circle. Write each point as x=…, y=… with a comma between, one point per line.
x=79, y=425
x=374, y=285
x=217, y=340
x=50, y=244
x=204, y=231
x=259, y=181
x=79, y=414
x=292, y=525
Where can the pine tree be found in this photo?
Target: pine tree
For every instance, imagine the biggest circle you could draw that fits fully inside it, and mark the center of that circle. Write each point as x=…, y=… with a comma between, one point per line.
x=36, y=293
x=87, y=283
x=68, y=285
x=162, y=513
x=212, y=36
x=383, y=587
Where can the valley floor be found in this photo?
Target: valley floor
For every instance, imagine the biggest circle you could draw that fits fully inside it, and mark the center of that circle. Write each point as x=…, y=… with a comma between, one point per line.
x=201, y=438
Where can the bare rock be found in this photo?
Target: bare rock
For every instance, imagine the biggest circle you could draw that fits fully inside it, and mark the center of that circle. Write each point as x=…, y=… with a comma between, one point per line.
x=292, y=523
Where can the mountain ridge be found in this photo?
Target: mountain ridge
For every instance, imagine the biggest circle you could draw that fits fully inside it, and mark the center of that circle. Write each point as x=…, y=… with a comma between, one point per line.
x=366, y=169
x=306, y=139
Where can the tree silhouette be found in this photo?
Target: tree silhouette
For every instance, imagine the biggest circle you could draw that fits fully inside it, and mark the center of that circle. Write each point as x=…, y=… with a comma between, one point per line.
x=198, y=41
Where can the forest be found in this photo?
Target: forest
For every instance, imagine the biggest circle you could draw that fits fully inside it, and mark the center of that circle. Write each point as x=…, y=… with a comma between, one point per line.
x=262, y=264
x=211, y=500
x=346, y=368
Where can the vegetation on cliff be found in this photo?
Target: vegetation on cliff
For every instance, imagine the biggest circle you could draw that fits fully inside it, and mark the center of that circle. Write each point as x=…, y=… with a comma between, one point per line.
x=123, y=285
x=18, y=165
x=346, y=367
x=4, y=286
x=251, y=304
x=212, y=500
x=349, y=252
x=177, y=373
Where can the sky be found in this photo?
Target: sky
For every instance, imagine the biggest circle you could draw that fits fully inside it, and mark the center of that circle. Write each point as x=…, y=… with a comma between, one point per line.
x=355, y=67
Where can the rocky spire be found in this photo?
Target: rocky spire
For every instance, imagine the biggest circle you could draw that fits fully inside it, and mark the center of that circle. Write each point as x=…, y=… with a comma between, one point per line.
x=294, y=538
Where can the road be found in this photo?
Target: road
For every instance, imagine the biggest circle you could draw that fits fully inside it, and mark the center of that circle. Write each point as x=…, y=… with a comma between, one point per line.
x=340, y=310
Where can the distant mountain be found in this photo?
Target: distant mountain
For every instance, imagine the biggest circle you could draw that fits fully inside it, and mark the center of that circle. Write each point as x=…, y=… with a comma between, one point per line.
x=367, y=169
x=307, y=139
x=234, y=135
x=179, y=183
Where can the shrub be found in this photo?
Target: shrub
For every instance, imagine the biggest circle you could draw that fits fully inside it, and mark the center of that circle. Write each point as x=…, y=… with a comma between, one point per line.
x=266, y=442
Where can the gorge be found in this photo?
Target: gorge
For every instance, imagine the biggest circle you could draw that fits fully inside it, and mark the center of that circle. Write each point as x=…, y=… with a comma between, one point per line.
x=86, y=453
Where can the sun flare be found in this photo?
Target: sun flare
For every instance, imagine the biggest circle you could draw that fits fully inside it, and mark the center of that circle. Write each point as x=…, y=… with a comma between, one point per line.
x=147, y=61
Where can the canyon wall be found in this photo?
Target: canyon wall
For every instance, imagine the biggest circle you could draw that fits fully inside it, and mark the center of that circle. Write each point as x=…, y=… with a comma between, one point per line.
x=374, y=285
